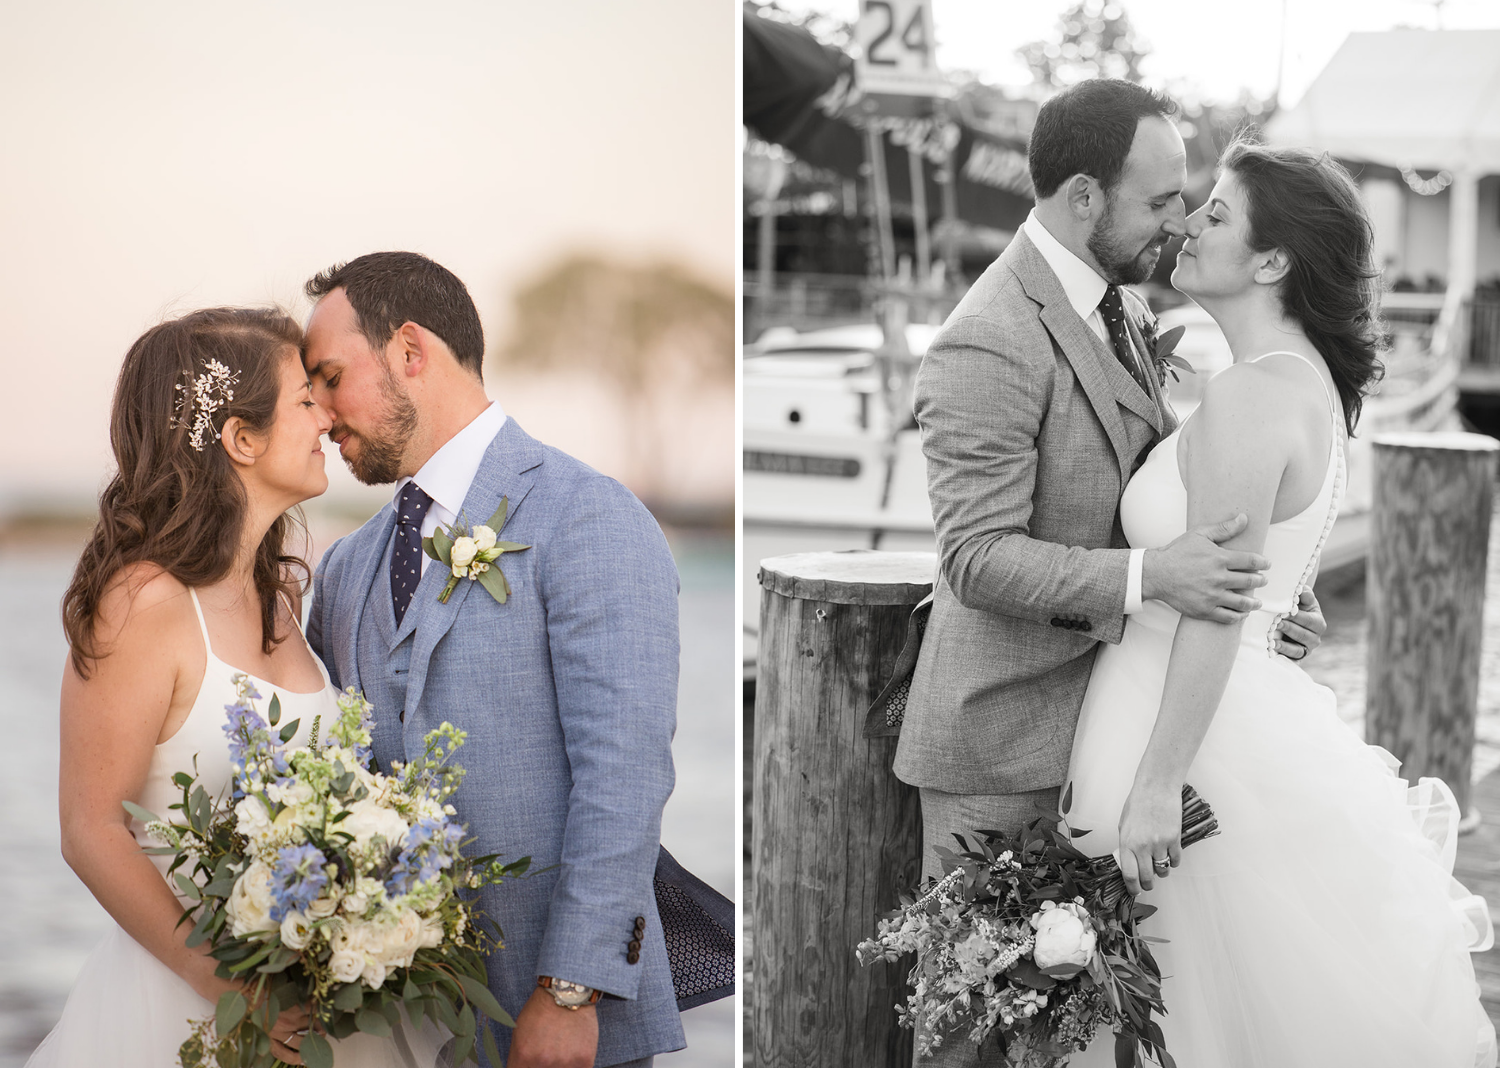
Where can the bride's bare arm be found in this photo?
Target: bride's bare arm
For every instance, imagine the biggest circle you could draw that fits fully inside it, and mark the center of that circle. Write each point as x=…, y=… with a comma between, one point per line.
x=111, y=723
x=1240, y=443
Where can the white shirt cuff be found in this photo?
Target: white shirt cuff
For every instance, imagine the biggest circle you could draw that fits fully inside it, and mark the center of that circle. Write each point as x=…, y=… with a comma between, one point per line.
x=1133, y=582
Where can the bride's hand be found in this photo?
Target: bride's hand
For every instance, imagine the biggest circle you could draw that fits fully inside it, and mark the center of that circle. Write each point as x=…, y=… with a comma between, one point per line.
x=1150, y=832
x=287, y=1034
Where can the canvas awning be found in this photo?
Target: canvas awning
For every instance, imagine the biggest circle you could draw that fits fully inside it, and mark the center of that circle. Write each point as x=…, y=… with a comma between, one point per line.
x=1405, y=98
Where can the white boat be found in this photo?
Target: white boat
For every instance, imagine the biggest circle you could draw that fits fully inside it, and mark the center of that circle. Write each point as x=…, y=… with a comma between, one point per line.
x=833, y=460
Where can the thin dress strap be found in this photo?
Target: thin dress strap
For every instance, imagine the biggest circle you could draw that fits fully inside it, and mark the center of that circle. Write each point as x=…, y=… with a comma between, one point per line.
x=202, y=626
x=1328, y=396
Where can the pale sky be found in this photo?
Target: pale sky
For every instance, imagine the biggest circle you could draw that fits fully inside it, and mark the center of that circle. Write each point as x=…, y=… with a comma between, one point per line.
x=1218, y=46
x=163, y=156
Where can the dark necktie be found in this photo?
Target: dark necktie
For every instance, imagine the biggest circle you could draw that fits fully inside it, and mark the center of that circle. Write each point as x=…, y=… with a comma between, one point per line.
x=406, y=553
x=1112, y=307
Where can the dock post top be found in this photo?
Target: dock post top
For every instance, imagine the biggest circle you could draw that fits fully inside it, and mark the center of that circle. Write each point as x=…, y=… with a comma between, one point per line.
x=854, y=576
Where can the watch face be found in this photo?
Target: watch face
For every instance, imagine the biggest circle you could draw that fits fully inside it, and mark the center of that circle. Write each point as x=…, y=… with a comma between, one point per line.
x=567, y=993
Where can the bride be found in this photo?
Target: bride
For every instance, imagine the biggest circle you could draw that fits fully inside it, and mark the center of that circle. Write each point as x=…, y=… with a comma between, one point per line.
x=1322, y=926
x=186, y=581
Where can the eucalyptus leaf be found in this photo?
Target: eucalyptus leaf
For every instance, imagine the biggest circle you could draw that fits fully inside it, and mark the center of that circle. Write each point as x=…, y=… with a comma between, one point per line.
x=231, y=1010
x=511, y=546
x=350, y=996
x=373, y=1023
x=182, y=779
x=444, y=545
x=496, y=522
x=463, y=1048
x=491, y=1050
x=494, y=583
x=316, y=1052
x=143, y=814
x=189, y=888
x=289, y=730
x=431, y=550
x=273, y=711
x=480, y=995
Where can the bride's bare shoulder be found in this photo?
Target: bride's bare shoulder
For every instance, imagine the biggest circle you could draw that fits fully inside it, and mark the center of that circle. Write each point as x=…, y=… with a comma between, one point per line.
x=142, y=603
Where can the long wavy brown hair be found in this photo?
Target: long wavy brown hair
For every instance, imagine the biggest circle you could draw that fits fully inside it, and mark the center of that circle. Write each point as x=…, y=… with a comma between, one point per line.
x=168, y=503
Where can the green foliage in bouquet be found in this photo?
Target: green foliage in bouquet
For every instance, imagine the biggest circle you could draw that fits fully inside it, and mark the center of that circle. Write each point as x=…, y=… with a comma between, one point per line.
x=1029, y=942
x=322, y=883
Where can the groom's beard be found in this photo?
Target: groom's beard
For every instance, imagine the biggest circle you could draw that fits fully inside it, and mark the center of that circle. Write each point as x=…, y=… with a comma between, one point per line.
x=377, y=461
x=1122, y=266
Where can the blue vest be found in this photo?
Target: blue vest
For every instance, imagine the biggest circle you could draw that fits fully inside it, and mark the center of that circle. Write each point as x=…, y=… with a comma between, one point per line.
x=385, y=657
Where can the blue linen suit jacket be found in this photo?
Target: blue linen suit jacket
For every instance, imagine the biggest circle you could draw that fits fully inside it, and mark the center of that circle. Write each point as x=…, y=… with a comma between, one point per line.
x=568, y=692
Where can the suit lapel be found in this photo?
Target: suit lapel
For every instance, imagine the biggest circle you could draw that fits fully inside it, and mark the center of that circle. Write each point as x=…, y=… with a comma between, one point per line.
x=1104, y=381
x=509, y=470
x=363, y=570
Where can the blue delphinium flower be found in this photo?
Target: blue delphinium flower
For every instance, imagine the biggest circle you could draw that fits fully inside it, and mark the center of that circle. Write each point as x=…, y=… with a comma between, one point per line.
x=430, y=847
x=297, y=879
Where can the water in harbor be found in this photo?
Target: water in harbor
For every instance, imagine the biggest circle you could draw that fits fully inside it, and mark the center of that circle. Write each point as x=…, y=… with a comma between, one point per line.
x=51, y=922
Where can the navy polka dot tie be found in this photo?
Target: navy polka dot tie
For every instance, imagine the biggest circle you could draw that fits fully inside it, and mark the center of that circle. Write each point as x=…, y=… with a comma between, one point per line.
x=1112, y=308
x=406, y=553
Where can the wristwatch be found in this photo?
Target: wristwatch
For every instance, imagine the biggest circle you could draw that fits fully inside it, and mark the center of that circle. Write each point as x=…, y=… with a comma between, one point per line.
x=568, y=995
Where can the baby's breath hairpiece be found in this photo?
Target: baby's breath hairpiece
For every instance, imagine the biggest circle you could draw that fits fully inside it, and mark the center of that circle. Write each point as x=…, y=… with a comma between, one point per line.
x=211, y=390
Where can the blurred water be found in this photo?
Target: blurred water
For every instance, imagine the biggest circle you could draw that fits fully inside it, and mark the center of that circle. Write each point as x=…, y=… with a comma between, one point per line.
x=51, y=922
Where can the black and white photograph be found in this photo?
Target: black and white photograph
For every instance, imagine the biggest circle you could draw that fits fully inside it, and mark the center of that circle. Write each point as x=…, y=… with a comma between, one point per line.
x=367, y=546
x=1121, y=631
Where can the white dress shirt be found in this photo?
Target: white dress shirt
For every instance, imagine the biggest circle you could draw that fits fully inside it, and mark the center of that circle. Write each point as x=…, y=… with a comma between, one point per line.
x=1084, y=289
x=449, y=472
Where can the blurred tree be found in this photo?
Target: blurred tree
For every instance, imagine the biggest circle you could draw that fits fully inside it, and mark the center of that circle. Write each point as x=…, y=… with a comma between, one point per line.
x=1094, y=40
x=643, y=327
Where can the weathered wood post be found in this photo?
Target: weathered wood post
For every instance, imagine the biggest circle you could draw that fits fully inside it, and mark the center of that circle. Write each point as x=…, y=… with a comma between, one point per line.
x=1429, y=539
x=836, y=836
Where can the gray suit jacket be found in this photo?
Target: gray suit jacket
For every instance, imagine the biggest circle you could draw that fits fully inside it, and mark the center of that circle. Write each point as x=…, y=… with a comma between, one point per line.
x=1031, y=429
x=568, y=692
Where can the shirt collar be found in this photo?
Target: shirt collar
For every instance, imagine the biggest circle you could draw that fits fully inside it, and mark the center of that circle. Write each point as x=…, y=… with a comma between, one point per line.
x=1081, y=283
x=449, y=472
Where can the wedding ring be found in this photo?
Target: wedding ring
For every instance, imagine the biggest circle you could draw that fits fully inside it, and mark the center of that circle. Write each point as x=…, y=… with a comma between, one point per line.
x=1161, y=866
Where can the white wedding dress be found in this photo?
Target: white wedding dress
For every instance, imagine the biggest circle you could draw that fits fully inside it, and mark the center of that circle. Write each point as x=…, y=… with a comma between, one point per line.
x=1322, y=927
x=127, y=1009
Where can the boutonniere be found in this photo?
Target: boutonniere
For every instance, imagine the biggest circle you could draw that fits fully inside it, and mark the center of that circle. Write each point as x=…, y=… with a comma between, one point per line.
x=473, y=554
x=1162, y=351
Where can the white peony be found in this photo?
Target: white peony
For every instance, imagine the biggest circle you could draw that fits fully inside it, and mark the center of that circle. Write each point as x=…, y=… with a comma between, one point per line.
x=1064, y=938
x=296, y=930
x=249, y=905
x=464, y=551
x=369, y=819
x=402, y=940
x=432, y=932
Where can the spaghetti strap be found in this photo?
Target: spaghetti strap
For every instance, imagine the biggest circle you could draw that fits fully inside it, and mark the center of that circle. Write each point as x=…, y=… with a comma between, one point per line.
x=202, y=626
x=1332, y=407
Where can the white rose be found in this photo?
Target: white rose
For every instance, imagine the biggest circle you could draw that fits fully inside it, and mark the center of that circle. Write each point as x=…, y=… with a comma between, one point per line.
x=346, y=966
x=432, y=932
x=296, y=930
x=250, y=902
x=373, y=974
x=1064, y=938
x=464, y=551
x=402, y=940
x=368, y=819
x=484, y=539
x=322, y=908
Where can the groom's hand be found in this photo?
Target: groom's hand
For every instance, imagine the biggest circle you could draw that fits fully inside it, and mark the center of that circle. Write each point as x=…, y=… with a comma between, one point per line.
x=1202, y=579
x=550, y=1036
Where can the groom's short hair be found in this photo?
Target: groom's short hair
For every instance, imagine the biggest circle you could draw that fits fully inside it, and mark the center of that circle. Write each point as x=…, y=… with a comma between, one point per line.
x=387, y=289
x=1088, y=129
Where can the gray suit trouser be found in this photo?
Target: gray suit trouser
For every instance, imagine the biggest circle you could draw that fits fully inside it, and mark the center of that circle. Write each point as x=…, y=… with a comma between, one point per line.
x=943, y=814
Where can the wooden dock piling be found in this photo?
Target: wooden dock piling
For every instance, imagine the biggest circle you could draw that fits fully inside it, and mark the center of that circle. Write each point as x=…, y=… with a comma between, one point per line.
x=1434, y=495
x=836, y=837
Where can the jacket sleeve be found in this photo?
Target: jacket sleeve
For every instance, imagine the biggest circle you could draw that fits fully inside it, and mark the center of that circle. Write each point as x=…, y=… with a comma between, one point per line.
x=981, y=399
x=316, y=629
x=610, y=590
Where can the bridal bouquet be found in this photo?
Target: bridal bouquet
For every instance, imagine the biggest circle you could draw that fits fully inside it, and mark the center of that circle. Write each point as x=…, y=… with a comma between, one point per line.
x=1030, y=940
x=320, y=882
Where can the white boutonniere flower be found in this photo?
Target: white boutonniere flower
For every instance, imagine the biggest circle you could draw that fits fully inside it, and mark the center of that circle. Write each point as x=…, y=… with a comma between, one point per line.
x=474, y=554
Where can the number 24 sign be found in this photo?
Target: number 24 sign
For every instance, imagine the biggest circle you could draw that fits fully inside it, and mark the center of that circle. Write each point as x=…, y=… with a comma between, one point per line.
x=896, y=39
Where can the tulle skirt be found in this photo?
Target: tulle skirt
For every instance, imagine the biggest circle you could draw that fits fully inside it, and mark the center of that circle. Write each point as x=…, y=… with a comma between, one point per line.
x=128, y=1010
x=1323, y=925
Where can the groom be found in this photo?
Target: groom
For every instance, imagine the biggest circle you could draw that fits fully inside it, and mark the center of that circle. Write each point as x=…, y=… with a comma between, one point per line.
x=1036, y=403
x=567, y=690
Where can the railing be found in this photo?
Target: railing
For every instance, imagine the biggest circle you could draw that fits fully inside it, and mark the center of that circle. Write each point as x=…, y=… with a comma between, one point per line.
x=1484, y=330
x=808, y=301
